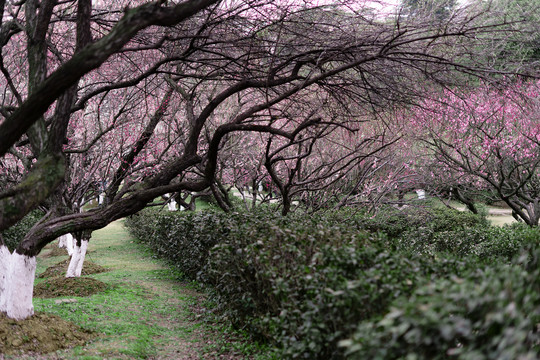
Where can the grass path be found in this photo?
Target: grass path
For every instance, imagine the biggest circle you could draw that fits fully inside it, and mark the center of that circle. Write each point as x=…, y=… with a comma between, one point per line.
x=146, y=313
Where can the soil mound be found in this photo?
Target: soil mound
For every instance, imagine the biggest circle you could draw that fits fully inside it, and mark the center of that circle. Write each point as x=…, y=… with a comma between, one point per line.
x=61, y=286
x=40, y=333
x=60, y=269
x=57, y=251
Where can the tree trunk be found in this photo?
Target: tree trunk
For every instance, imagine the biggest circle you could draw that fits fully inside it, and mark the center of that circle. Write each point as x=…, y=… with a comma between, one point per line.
x=286, y=203
x=171, y=205
x=5, y=257
x=523, y=212
x=77, y=260
x=79, y=253
x=17, y=274
x=219, y=195
x=171, y=202
x=533, y=210
x=469, y=203
x=253, y=193
x=66, y=241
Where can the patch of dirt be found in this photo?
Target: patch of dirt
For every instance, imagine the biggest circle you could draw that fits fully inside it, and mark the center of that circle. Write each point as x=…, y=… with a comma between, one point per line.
x=57, y=251
x=60, y=269
x=39, y=334
x=62, y=286
x=501, y=212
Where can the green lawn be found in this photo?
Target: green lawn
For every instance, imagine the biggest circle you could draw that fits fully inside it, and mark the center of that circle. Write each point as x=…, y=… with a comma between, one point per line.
x=146, y=313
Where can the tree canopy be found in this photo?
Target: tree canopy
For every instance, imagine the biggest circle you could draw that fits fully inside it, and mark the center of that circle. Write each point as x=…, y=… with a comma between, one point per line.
x=137, y=102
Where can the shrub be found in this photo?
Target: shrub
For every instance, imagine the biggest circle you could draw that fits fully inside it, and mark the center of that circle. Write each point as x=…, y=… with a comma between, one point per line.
x=487, y=243
x=311, y=326
x=491, y=314
x=17, y=232
x=307, y=284
x=395, y=222
x=183, y=238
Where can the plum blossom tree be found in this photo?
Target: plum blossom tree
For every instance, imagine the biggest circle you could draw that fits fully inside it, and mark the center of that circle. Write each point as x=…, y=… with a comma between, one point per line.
x=487, y=139
x=439, y=9
x=32, y=25
x=311, y=166
x=131, y=101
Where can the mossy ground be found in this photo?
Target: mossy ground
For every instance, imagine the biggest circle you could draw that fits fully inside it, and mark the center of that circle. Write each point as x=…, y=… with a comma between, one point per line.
x=144, y=312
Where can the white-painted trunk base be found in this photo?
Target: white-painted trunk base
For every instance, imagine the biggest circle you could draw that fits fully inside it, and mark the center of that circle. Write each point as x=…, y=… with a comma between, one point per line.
x=18, y=279
x=68, y=242
x=73, y=263
x=82, y=256
x=5, y=260
x=77, y=260
x=62, y=241
x=172, y=205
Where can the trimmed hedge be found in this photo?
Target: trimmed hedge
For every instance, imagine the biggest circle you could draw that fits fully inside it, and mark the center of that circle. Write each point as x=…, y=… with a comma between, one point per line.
x=494, y=313
x=294, y=285
x=183, y=238
x=484, y=242
x=396, y=222
x=306, y=283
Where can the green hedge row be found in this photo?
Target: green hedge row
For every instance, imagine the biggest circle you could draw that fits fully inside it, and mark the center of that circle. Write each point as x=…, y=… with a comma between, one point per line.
x=493, y=313
x=183, y=238
x=309, y=283
x=429, y=232
x=397, y=222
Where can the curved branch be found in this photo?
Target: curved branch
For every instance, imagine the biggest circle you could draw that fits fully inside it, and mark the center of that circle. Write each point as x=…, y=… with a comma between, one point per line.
x=89, y=58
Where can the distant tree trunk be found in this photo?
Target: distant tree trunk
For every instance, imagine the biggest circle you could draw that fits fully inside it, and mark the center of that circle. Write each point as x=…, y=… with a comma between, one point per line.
x=221, y=197
x=516, y=217
x=67, y=242
x=465, y=200
x=401, y=198
x=533, y=209
x=171, y=204
x=286, y=203
x=254, y=193
x=528, y=212
x=79, y=253
x=184, y=205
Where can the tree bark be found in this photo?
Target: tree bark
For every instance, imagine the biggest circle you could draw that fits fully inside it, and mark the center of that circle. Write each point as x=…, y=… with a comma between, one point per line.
x=16, y=284
x=5, y=259
x=466, y=201
x=79, y=254
x=77, y=260
x=66, y=242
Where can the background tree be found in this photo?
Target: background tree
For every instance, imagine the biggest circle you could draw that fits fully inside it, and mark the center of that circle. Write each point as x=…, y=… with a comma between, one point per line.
x=524, y=43
x=137, y=82
x=488, y=139
x=439, y=9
